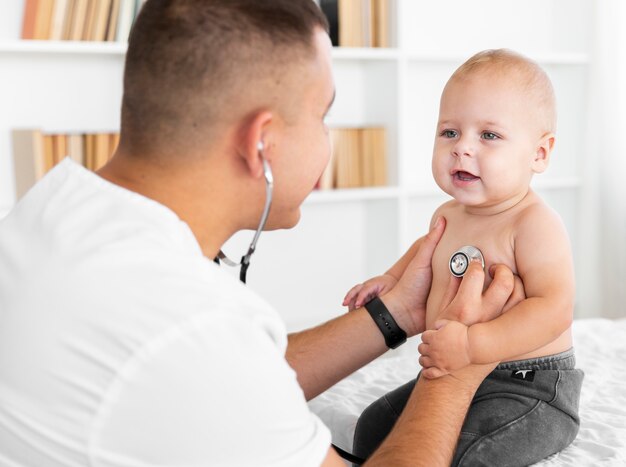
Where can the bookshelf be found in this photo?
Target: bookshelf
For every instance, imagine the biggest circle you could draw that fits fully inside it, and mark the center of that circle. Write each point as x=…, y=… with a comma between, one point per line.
x=344, y=236
x=62, y=47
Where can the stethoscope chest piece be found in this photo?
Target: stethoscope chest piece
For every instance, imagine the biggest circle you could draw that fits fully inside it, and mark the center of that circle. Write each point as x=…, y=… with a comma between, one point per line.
x=461, y=258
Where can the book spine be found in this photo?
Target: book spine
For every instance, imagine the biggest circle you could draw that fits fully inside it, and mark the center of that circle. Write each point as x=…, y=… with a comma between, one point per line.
x=43, y=19
x=358, y=159
x=28, y=22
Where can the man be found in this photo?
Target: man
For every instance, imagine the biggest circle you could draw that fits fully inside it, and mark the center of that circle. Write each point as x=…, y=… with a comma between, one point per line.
x=122, y=343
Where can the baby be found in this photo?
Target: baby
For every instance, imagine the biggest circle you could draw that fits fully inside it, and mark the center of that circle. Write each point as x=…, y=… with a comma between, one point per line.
x=496, y=129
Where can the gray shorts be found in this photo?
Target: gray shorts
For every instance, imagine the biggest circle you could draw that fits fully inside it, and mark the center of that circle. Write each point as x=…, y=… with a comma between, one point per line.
x=523, y=412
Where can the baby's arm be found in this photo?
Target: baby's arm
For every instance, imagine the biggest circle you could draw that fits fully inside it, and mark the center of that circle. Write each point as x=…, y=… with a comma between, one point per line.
x=544, y=263
x=360, y=294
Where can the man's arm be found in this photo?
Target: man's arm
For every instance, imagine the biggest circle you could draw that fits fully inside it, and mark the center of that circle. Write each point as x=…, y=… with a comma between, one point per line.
x=428, y=429
x=326, y=354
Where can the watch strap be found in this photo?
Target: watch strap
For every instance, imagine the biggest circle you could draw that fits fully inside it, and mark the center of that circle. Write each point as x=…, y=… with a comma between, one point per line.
x=394, y=335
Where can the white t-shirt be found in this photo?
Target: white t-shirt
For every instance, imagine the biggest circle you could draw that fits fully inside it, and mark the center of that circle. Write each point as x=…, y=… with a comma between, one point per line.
x=121, y=345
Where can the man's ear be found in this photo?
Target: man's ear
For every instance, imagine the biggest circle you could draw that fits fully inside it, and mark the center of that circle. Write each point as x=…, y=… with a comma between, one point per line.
x=542, y=153
x=253, y=131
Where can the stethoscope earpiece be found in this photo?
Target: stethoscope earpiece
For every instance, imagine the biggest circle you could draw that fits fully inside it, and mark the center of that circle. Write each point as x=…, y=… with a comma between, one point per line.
x=461, y=258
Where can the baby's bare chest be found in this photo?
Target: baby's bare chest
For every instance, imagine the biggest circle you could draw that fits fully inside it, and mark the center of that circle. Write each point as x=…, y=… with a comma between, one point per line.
x=494, y=238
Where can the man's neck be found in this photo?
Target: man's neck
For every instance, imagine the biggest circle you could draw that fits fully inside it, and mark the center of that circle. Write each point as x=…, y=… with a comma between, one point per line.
x=189, y=193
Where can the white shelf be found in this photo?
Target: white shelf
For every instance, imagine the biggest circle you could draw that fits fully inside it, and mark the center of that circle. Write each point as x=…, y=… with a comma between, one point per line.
x=118, y=48
x=544, y=59
x=365, y=53
x=562, y=183
x=352, y=195
x=63, y=47
x=427, y=192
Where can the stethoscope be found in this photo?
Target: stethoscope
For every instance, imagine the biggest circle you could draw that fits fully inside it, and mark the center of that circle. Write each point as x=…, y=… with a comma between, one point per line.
x=269, y=187
x=461, y=259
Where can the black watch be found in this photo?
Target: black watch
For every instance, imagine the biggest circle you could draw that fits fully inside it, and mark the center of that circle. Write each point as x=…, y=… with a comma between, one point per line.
x=394, y=335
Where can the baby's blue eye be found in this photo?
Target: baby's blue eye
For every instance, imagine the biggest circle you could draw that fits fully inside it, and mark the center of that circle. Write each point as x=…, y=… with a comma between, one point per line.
x=449, y=134
x=490, y=135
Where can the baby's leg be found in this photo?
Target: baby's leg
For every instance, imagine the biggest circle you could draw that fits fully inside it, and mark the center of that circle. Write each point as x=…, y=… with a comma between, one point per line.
x=378, y=419
x=509, y=430
x=522, y=414
x=512, y=421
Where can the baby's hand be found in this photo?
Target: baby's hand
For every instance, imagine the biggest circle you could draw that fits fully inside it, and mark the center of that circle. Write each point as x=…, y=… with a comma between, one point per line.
x=360, y=294
x=444, y=349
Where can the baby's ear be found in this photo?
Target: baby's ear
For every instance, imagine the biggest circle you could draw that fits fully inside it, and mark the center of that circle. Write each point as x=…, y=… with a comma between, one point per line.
x=542, y=153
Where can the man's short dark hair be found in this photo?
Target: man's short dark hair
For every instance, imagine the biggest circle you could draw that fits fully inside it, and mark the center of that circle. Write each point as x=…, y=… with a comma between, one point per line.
x=187, y=59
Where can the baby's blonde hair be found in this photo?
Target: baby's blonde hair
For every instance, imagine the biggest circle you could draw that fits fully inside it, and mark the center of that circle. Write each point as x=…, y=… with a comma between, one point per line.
x=522, y=71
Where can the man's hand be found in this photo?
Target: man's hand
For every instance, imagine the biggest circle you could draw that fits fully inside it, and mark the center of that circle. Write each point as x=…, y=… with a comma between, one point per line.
x=464, y=300
x=407, y=300
x=445, y=349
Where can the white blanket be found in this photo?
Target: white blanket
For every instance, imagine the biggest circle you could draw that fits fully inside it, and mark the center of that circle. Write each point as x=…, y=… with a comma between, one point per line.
x=600, y=346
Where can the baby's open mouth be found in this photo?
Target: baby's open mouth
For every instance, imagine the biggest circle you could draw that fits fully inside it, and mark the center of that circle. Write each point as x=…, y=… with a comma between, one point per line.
x=464, y=176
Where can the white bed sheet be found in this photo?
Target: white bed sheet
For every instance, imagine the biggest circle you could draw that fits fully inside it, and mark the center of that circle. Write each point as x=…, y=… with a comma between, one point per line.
x=600, y=346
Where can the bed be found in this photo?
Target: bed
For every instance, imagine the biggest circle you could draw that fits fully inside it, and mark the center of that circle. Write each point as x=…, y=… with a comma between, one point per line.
x=600, y=346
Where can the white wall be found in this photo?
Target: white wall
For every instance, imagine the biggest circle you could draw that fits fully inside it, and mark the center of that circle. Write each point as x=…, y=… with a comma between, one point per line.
x=341, y=241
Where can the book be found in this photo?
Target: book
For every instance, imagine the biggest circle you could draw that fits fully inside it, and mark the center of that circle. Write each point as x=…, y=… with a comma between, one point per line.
x=114, y=142
x=346, y=156
x=35, y=152
x=373, y=156
x=101, y=150
x=96, y=20
x=358, y=23
x=326, y=181
x=90, y=149
x=79, y=16
x=59, y=143
x=358, y=159
x=382, y=17
x=28, y=21
x=367, y=22
x=57, y=24
x=28, y=159
x=351, y=22
x=67, y=21
x=43, y=19
x=125, y=20
x=101, y=20
x=48, y=152
x=329, y=8
x=90, y=20
x=113, y=20
x=76, y=148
